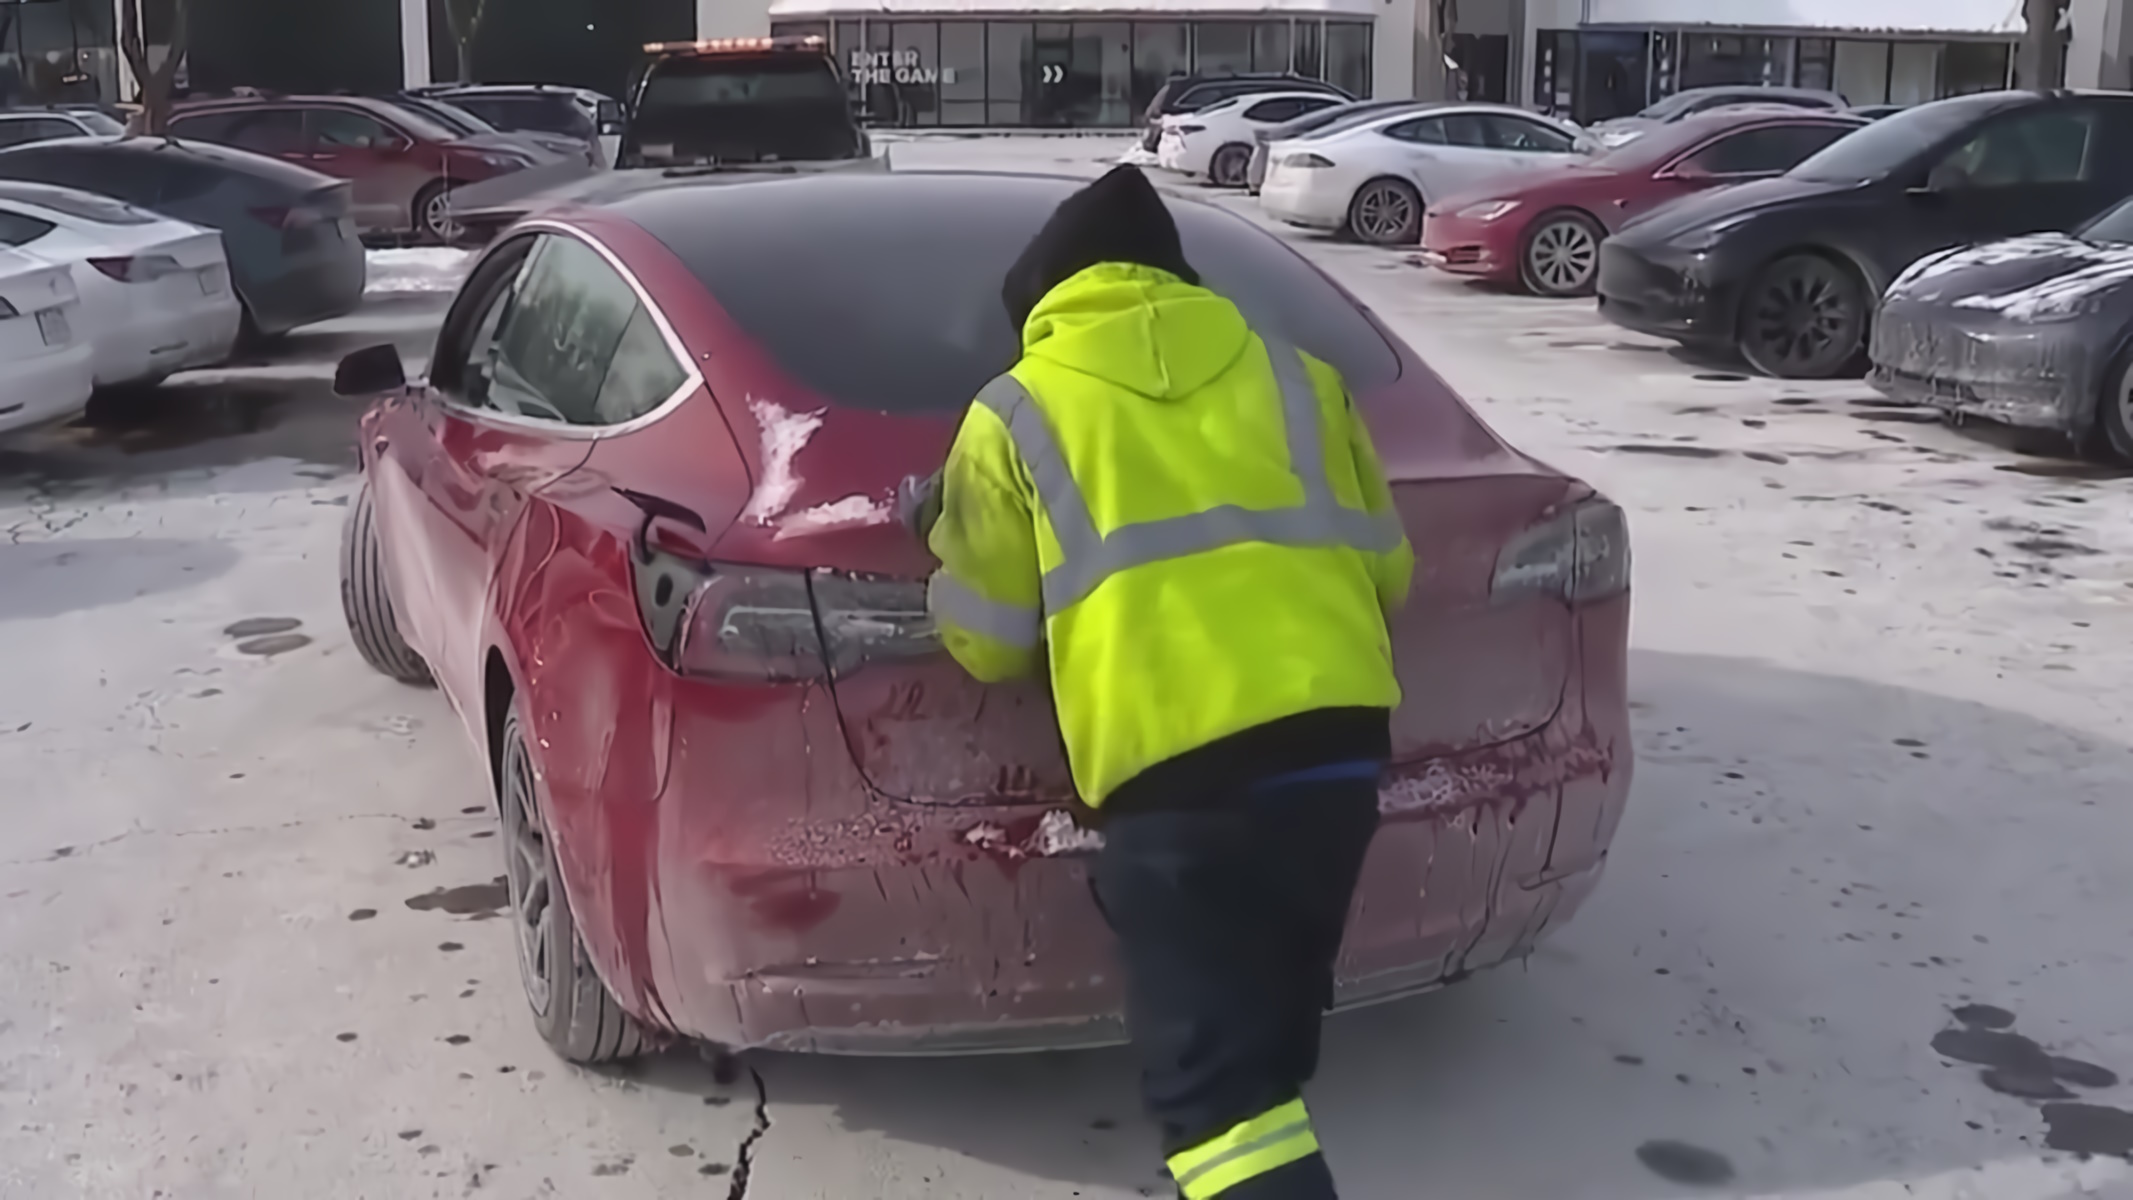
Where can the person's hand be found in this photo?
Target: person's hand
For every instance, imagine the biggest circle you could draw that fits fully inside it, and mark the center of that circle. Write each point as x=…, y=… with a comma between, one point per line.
x=918, y=504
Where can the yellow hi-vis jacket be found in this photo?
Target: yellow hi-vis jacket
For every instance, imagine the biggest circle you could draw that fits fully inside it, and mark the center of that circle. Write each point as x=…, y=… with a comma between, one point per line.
x=1188, y=520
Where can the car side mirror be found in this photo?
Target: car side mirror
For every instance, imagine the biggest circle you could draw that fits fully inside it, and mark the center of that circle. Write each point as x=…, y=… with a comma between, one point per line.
x=370, y=371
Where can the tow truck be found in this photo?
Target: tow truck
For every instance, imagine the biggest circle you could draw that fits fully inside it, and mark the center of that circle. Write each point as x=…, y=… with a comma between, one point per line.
x=731, y=107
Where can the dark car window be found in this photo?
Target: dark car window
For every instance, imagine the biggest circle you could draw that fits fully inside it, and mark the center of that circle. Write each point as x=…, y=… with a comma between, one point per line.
x=205, y=127
x=907, y=270
x=1768, y=150
x=23, y=130
x=1429, y=130
x=1895, y=141
x=268, y=131
x=1283, y=109
x=20, y=229
x=2050, y=145
x=2115, y=225
x=1467, y=129
x=1517, y=133
x=541, y=114
x=90, y=168
x=331, y=129
x=558, y=335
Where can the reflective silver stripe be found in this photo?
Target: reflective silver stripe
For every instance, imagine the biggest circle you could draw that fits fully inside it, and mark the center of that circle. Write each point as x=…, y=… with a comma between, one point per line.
x=950, y=598
x=1268, y=1142
x=1087, y=558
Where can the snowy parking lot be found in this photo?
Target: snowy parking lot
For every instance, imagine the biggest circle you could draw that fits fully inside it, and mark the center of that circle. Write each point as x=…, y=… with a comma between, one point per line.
x=1873, y=874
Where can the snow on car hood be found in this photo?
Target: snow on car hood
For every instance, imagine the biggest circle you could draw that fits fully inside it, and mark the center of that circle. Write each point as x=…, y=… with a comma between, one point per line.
x=2039, y=276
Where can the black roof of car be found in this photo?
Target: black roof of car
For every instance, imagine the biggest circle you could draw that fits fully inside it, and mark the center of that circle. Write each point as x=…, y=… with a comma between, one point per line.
x=228, y=158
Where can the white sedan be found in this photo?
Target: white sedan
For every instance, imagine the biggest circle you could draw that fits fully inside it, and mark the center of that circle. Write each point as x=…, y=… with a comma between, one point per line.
x=1217, y=141
x=44, y=363
x=1375, y=179
x=155, y=292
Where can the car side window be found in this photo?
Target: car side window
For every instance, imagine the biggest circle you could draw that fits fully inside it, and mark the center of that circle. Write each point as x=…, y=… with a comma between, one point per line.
x=330, y=129
x=2051, y=145
x=1428, y=130
x=15, y=133
x=203, y=127
x=1769, y=150
x=1517, y=133
x=268, y=131
x=557, y=338
x=642, y=376
x=20, y=229
x=1467, y=129
x=24, y=130
x=1274, y=110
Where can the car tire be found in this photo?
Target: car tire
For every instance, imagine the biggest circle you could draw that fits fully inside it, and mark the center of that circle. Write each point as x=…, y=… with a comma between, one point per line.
x=2114, y=412
x=1386, y=212
x=1803, y=317
x=572, y=1009
x=1228, y=167
x=432, y=214
x=1560, y=254
x=366, y=602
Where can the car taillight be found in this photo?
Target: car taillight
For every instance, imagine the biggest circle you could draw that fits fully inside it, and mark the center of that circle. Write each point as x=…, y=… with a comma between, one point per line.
x=1307, y=162
x=1581, y=555
x=8, y=311
x=769, y=625
x=1191, y=128
x=288, y=217
x=143, y=268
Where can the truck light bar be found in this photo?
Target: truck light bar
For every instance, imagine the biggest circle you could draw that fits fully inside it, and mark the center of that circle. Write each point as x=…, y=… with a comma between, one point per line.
x=734, y=45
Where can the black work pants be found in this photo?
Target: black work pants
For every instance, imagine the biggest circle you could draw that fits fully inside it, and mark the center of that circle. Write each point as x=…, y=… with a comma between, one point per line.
x=1229, y=918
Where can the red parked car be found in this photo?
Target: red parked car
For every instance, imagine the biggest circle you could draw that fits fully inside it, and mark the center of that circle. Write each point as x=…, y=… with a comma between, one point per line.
x=637, y=525
x=402, y=164
x=1542, y=229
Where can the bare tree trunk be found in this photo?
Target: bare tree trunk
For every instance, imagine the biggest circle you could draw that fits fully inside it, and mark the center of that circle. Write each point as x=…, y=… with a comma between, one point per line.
x=2042, y=59
x=155, y=83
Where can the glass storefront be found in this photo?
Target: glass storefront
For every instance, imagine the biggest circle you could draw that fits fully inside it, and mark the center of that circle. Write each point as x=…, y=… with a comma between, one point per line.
x=1070, y=74
x=1592, y=75
x=57, y=52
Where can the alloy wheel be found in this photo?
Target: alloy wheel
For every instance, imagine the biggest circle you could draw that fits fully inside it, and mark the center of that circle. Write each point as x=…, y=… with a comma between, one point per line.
x=1384, y=213
x=1804, y=319
x=437, y=217
x=1562, y=257
x=1228, y=167
x=529, y=877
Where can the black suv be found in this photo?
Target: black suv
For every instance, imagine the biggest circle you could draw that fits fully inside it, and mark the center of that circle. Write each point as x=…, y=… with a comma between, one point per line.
x=1191, y=93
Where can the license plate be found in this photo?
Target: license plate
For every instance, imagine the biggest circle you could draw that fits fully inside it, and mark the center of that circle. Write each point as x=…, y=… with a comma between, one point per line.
x=211, y=282
x=52, y=323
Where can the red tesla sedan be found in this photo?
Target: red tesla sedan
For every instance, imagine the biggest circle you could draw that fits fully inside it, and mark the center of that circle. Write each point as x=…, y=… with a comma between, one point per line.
x=1542, y=229
x=637, y=525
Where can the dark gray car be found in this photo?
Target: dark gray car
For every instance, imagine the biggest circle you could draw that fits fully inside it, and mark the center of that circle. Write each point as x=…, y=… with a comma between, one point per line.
x=2030, y=331
x=292, y=245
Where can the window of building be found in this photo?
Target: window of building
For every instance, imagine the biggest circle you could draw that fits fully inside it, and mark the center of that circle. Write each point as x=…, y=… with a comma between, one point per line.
x=1914, y=72
x=1967, y=67
x=1308, y=56
x=1270, y=46
x=1009, y=48
x=1811, y=67
x=1160, y=49
x=962, y=73
x=1862, y=72
x=1222, y=47
x=1348, y=56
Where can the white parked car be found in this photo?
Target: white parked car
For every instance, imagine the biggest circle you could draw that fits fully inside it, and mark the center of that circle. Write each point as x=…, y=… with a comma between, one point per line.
x=1217, y=141
x=155, y=292
x=44, y=362
x=1376, y=179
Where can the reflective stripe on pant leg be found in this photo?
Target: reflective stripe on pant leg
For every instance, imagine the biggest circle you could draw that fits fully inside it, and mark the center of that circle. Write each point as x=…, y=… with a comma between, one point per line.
x=1249, y=1149
x=950, y=599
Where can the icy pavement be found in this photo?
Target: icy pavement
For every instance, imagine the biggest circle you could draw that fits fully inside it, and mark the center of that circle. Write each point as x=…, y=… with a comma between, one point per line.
x=1881, y=683
x=417, y=269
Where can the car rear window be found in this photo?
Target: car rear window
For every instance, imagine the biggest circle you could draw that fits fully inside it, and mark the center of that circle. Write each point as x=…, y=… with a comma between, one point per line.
x=541, y=114
x=720, y=81
x=883, y=292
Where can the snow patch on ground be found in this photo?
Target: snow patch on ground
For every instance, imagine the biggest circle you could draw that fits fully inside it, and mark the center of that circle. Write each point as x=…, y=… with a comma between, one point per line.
x=850, y=512
x=416, y=269
x=785, y=434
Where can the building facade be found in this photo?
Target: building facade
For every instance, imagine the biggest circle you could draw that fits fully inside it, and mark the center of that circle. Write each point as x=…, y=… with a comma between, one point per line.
x=1094, y=63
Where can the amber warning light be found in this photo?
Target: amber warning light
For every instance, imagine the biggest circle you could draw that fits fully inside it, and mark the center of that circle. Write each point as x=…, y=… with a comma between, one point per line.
x=734, y=45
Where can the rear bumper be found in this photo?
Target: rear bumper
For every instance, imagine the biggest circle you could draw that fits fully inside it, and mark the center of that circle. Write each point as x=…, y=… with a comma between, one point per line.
x=828, y=919
x=1301, y=197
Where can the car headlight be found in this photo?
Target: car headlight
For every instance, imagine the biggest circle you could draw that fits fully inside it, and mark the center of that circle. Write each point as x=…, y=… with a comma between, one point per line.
x=506, y=162
x=1487, y=210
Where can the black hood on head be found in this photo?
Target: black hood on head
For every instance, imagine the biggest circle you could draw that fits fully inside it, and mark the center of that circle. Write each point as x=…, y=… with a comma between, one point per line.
x=1119, y=218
